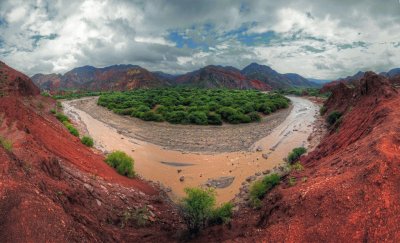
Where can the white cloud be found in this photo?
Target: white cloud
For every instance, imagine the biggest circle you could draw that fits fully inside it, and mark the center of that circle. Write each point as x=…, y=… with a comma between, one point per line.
x=315, y=38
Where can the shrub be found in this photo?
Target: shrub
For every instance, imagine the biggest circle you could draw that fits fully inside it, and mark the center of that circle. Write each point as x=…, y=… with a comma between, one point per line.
x=178, y=117
x=214, y=119
x=151, y=116
x=222, y=214
x=53, y=111
x=197, y=208
x=198, y=117
x=6, y=144
x=296, y=154
x=322, y=110
x=333, y=117
x=292, y=181
x=297, y=166
x=254, y=116
x=71, y=129
x=122, y=162
x=88, y=141
x=259, y=188
x=61, y=117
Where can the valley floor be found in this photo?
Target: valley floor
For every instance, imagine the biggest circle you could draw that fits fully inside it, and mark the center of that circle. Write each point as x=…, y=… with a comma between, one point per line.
x=274, y=138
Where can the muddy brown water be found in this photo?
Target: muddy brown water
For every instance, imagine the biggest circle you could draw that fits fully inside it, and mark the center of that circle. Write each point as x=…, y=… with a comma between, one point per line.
x=159, y=164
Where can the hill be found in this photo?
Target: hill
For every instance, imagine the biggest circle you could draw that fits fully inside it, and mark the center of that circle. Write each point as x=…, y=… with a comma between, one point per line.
x=275, y=79
x=55, y=189
x=127, y=77
x=349, y=185
x=116, y=77
x=219, y=77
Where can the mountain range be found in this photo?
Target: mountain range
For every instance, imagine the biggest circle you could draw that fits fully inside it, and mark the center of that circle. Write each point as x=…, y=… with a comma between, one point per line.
x=127, y=77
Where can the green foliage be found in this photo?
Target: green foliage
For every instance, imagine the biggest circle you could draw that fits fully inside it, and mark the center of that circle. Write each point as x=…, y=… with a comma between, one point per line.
x=197, y=208
x=69, y=95
x=322, y=110
x=53, y=111
x=297, y=166
x=193, y=106
x=122, y=162
x=296, y=154
x=45, y=94
x=333, y=117
x=304, y=92
x=139, y=216
x=6, y=144
x=88, y=141
x=292, y=181
x=61, y=117
x=259, y=188
x=71, y=128
x=222, y=214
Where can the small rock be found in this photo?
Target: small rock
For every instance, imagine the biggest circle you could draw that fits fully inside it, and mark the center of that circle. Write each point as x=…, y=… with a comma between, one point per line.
x=265, y=156
x=98, y=202
x=266, y=172
x=88, y=187
x=250, y=178
x=182, y=178
x=258, y=149
x=258, y=173
x=179, y=171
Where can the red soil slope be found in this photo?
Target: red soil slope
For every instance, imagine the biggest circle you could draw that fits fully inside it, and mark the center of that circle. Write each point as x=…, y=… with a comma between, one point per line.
x=54, y=189
x=349, y=190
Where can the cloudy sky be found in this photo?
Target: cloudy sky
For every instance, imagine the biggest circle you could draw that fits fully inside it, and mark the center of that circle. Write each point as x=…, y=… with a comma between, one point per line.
x=316, y=38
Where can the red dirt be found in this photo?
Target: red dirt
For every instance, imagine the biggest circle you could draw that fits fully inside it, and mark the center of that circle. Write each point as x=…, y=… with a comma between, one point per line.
x=352, y=190
x=53, y=188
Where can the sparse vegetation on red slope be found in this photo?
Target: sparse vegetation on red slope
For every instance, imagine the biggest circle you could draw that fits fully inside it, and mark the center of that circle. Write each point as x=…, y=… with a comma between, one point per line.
x=88, y=141
x=122, y=163
x=295, y=155
x=198, y=209
x=194, y=106
x=259, y=188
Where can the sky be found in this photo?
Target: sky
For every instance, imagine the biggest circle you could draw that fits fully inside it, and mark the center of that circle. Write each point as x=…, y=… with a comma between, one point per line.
x=323, y=39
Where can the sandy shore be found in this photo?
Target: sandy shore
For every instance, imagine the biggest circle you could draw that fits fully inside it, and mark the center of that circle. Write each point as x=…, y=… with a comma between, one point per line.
x=176, y=170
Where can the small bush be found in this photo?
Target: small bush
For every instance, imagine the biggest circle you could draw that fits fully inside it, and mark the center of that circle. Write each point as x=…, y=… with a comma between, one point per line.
x=296, y=154
x=53, y=111
x=6, y=144
x=297, y=166
x=122, y=162
x=254, y=116
x=61, y=117
x=222, y=214
x=322, y=110
x=197, y=208
x=333, y=117
x=292, y=181
x=88, y=141
x=71, y=129
x=261, y=187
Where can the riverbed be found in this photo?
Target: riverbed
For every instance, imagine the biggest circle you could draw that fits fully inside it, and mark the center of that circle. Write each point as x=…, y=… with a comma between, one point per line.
x=176, y=169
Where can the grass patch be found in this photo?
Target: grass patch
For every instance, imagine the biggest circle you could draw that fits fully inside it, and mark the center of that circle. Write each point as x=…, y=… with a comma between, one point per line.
x=88, y=141
x=295, y=155
x=297, y=166
x=61, y=117
x=122, y=163
x=194, y=106
x=259, y=188
x=6, y=144
x=292, y=181
x=71, y=128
